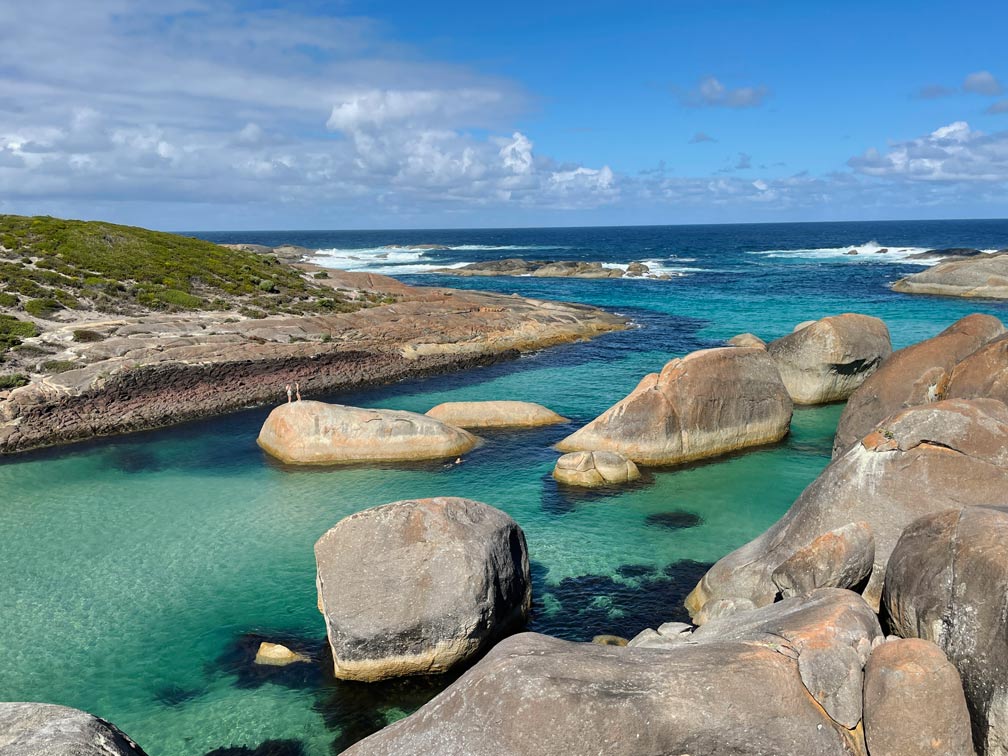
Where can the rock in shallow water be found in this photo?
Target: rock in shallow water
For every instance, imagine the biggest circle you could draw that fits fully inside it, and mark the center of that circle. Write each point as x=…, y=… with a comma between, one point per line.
x=495, y=414
x=315, y=433
x=415, y=587
x=705, y=404
x=828, y=359
x=37, y=729
x=925, y=459
x=595, y=469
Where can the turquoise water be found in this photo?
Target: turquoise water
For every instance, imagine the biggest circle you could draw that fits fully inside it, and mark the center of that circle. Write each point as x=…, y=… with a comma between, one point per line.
x=137, y=573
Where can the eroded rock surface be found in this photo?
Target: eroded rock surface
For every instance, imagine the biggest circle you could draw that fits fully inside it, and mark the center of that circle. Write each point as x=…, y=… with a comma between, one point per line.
x=925, y=459
x=828, y=359
x=495, y=414
x=707, y=403
x=416, y=587
x=912, y=376
x=595, y=469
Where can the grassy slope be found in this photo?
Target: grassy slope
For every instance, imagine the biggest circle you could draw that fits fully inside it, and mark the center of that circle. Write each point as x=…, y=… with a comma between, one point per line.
x=48, y=264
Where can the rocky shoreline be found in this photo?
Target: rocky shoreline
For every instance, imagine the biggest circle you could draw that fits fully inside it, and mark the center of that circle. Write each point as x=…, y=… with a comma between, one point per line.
x=138, y=373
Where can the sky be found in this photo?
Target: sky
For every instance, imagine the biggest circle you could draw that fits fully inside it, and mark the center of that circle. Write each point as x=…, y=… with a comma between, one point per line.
x=218, y=115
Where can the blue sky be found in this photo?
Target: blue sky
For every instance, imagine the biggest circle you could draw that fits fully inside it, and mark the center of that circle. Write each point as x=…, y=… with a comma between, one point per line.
x=189, y=114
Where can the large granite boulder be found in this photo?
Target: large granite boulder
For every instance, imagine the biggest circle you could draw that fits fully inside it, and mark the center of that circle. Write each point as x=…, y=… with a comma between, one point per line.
x=841, y=558
x=747, y=340
x=315, y=433
x=984, y=373
x=594, y=469
x=415, y=587
x=914, y=703
x=827, y=360
x=38, y=729
x=707, y=403
x=495, y=414
x=740, y=693
x=984, y=276
x=947, y=582
x=915, y=375
x=925, y=459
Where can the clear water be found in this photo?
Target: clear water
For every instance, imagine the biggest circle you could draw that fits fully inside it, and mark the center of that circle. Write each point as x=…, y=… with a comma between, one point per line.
x=138, y=574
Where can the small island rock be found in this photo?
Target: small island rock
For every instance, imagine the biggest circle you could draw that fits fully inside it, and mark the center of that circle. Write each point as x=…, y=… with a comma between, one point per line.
x=312, y=433
x=416, y=587
x=594, y=469
x=707, y=403
x=495, y=414
x=980, y=275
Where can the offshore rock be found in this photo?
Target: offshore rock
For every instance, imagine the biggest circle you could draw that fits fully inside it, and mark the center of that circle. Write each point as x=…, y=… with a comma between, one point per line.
x=595, y=469
x=495, y=414
x=983, y=275
x=416, y=587
x=925, y=459
x=742, y=694
x=828, y=359
x=915, y=375
x=316, y=433
x=705, y=404
x=947, y=581
x=914, y=703
x=38, y=729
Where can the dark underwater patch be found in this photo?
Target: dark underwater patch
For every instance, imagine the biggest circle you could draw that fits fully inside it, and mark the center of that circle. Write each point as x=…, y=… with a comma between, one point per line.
x=674, y=520
x=176, y=695
x=289, y=747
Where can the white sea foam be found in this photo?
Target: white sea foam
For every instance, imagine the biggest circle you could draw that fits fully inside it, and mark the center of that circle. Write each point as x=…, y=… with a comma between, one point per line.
x=868, y=252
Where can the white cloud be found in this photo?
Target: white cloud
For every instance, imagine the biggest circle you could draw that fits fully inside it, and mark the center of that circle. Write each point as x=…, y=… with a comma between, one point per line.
x=984, y=83
x=710, y=92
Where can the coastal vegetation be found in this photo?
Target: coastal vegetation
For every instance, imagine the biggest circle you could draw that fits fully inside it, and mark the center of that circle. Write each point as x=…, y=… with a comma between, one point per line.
x=50, y=264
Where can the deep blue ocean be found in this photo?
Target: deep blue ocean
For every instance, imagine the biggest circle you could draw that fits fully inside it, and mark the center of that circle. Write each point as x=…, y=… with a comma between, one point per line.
x=139, y=573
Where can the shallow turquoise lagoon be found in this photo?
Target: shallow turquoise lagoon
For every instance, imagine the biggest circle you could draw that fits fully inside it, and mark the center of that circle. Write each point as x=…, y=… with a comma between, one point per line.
x=136, y=574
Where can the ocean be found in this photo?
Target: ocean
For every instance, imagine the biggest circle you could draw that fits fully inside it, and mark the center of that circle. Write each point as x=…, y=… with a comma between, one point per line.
x=139, y=573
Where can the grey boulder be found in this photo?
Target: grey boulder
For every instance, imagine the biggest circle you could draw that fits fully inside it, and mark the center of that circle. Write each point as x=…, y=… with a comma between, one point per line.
x=416, y=587
x=39, y=729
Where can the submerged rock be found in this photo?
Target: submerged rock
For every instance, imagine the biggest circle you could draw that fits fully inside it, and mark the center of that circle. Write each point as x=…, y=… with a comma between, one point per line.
x=914, y=703
x=828, y=359
x=915, y=375
x=741, y=693
x=982, y=275
x=276, y=655
x=38, y=729
x=705, y=404
x=925, y=459
x=495, y=414
x=416, y=587
x=595, y=469
x=315, y=433
x=946, y=582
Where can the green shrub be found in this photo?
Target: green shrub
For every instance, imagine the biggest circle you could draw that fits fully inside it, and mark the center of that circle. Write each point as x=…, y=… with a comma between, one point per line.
x=58, y=366
x=267, y=285
x=42, y=308
x=322, y=274
x=8, y=300
x=85, y=336
x=249, y=312
x=13, y=380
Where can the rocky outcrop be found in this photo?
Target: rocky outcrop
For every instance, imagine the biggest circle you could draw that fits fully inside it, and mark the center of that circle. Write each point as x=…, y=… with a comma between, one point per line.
x=915, y=375
x=161, y=369
x=708, y=403
x=746, y=340
x=38, y=729
x=945, y=254
x=416, y=587
x=495, y=414
x=827, y=360
x=741, y=692
x=925, y=459
x=914, y=703
x=550, y=269
x=595, y=469
x=947, y=582
x=841, y=558
x=985, y=275
x=316, y=433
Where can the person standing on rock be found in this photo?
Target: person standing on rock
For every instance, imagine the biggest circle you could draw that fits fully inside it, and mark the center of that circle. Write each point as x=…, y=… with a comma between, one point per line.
x=297, y=390
x=288, y=389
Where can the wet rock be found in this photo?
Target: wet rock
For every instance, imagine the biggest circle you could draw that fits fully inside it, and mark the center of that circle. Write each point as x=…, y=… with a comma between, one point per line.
x=276, y=655
x=495, y=414
x=38, y=729
x=309, y=432
x=705, y=404
x=912, y=376
x=946, y=582
x=841, y=558
x=747, y=340
x=416, y=587
x=914, y=703
x=594, y=469
x=942, y=254
x=925, y=459
x=828, y=359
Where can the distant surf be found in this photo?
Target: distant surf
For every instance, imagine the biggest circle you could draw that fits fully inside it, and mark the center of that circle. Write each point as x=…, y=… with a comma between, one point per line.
x=871, y=251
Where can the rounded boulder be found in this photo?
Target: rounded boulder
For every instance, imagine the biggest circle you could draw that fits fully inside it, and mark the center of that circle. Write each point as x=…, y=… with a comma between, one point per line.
x=495, y=414
x=595, y=469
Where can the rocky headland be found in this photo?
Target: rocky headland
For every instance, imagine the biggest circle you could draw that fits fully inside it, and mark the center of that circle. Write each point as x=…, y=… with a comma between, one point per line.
x=85, y=354
x=552, y=269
